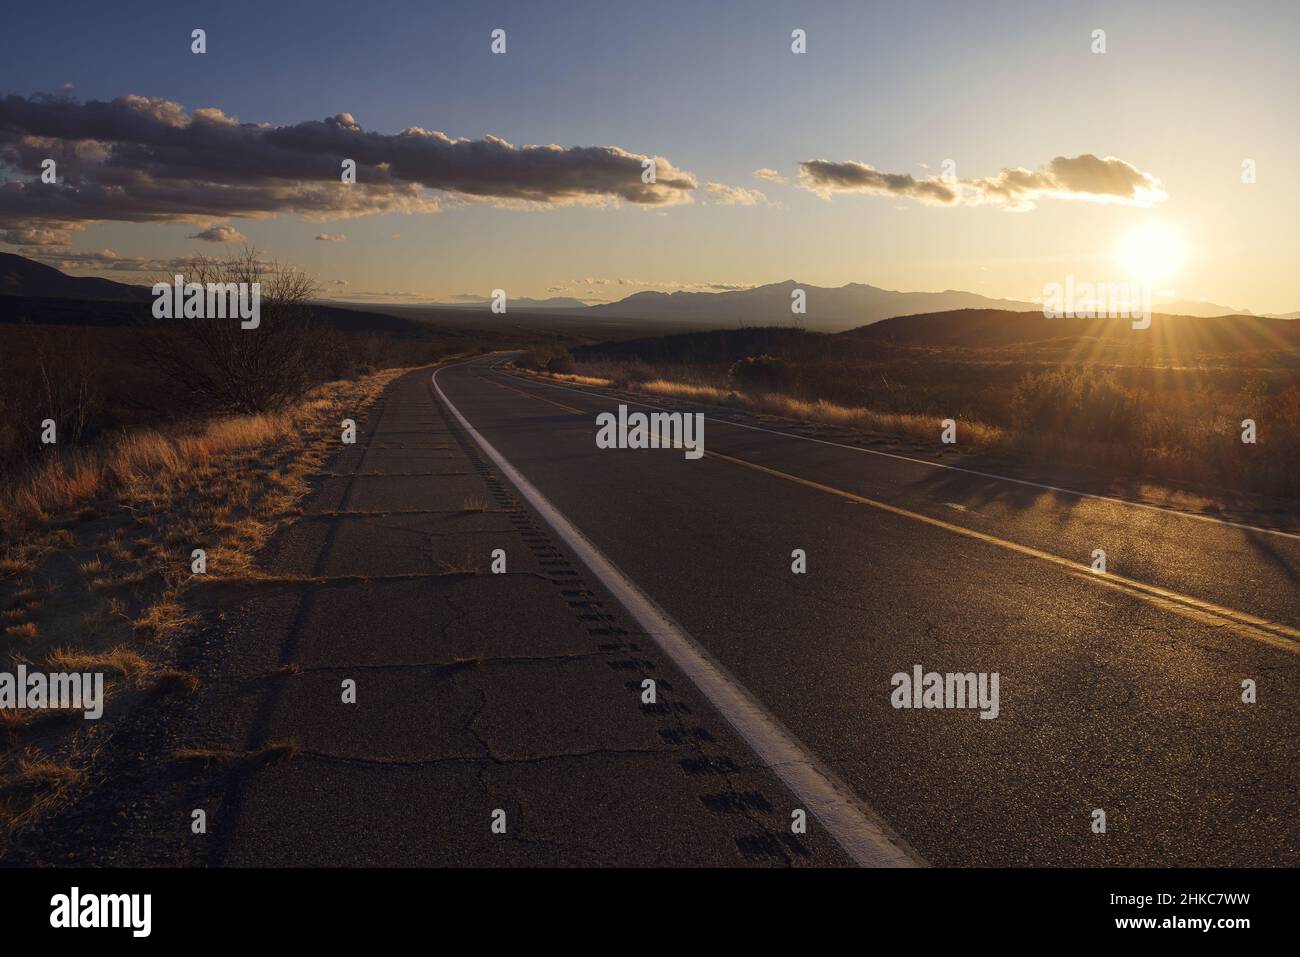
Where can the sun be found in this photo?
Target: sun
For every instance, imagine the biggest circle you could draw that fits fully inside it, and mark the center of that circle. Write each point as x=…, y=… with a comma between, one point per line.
x=1152, y=252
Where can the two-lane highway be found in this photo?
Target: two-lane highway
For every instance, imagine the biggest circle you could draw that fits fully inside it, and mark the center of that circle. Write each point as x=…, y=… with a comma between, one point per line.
x=1119, y=693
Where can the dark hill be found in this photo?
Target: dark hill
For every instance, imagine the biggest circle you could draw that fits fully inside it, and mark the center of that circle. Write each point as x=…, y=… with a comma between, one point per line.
x=995, y=328
x=85, y=312
x=20, y=276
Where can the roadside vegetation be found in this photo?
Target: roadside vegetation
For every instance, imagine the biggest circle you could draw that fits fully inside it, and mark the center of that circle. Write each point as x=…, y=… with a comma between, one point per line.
x=169, y=438
x=96, y=567
x=1163, y=405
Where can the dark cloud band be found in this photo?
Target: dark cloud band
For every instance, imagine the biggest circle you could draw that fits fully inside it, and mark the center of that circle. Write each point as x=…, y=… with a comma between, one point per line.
x=137, y=159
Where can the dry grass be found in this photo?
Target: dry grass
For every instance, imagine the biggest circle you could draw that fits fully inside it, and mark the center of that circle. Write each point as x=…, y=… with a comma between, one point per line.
x=164, y=619
x=224, y=486
x=580, y=379
x=175, y=681
x=273, y=752
x=921, y=428
x=24, y=632
x=13, y=566
x=688, y=390
x=121, y=660
x=38, y=772
x=144, y=464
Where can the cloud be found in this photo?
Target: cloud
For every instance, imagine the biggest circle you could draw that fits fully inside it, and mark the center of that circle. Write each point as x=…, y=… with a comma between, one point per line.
x=37, y=234
x=105, y=260
x=770, y=175
x=330, y=237
x=136, y=159
x=220, y=234
x=723, y=195
x=824, y=177
x=1086, y=177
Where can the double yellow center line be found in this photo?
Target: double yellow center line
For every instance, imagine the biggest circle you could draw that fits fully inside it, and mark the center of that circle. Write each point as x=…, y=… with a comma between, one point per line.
x=1250, y=626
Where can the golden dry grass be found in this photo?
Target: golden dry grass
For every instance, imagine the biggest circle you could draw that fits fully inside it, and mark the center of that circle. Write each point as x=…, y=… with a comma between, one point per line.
x=37, y=771
x=13, y=566
x=273, y=752
x=24, y=632
x=922, y=428
x=687, y=390
x=122, y=660
x=164, y=619
x=143, y=464
x=224, y=486
x=580, y=379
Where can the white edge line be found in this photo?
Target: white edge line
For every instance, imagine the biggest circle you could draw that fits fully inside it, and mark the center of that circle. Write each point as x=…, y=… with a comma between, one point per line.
x=853, y=825
x=938, y=465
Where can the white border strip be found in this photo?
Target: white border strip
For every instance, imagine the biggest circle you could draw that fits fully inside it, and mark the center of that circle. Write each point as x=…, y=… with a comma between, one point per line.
x=852, y=824
x=934, y=465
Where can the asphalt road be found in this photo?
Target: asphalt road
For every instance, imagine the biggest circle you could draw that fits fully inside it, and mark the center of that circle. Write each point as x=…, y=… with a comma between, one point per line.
x=1120, y=692
x=518, y=696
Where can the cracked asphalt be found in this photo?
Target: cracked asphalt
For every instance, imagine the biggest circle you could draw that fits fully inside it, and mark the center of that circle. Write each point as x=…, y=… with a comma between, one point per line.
x=475, y=692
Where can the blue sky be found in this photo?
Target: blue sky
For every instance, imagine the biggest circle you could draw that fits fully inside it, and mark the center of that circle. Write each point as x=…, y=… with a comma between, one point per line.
x=1184, y=92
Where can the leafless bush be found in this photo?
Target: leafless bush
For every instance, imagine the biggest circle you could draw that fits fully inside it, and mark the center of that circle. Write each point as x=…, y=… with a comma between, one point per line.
x=228, y=368
x=54, y=375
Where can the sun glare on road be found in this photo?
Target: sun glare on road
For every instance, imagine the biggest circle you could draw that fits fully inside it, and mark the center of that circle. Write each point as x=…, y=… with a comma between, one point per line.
x=1152, y=252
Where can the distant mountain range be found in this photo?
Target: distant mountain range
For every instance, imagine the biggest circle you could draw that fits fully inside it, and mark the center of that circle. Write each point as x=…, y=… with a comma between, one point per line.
x=829, y=309
x=563, y=303
x=1199, y=307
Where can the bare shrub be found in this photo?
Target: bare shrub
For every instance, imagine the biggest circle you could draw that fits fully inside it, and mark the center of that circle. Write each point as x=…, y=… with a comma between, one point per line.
x=58, y=376
x=228, y=368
